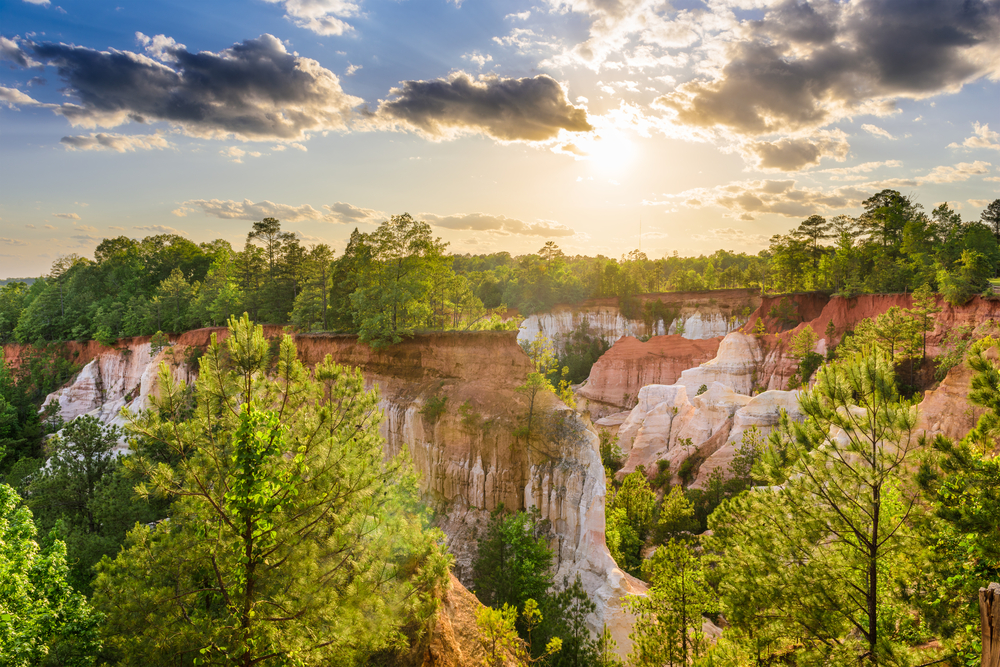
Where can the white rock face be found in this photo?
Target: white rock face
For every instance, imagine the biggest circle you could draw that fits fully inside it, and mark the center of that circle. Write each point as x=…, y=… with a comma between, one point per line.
x=110, y=382
x=732, y=366
x=608, y=323
x=701, y=326
x=763, y=412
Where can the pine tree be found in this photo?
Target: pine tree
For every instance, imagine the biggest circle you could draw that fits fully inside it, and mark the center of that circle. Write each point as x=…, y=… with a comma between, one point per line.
x=668, y=623
x=291, y=537
x=817, y=553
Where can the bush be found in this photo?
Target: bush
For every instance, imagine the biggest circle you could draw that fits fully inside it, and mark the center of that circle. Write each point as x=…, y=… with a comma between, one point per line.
x=611, y=454
x=434, y=408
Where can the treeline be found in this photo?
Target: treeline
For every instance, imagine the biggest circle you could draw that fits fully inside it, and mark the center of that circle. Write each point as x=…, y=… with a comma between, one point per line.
x=398, y=279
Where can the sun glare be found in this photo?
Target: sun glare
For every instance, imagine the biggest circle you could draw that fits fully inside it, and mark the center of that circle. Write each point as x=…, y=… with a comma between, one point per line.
x=610, y=152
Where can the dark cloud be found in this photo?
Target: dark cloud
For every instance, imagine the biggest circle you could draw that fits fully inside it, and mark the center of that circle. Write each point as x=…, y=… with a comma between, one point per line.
x=794, y=154
x=528, y=109
x=229, y=209
x=497, y=224
x=807, y=65
x=253, y=90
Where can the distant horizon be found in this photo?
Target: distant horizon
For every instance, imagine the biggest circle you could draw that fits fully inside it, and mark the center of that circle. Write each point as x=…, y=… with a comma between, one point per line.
x=707, y=123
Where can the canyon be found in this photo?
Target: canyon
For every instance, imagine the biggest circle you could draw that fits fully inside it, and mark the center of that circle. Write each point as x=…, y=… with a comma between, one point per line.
x=667, y=398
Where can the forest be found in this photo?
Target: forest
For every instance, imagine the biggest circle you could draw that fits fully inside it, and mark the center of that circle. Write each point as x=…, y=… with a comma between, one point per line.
x=399, y=279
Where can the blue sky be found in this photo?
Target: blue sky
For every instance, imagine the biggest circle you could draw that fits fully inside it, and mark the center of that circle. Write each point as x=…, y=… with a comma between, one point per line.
x=504, y=125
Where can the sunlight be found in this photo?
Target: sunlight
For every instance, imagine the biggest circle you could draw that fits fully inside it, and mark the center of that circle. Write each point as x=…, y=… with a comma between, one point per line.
x=610, y=152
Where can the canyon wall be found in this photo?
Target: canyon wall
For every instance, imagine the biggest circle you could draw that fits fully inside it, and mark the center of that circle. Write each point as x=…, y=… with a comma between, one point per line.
x=631, y=364
x=816, y=310
x=468, y=460
x=707, y=314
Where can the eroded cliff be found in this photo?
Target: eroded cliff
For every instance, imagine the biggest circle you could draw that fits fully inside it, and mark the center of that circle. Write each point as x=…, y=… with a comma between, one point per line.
x=704, y=315
x=451, y=400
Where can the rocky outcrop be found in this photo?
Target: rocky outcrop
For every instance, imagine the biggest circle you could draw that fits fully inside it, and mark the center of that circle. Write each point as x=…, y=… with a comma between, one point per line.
x=468, y=460
x=631, y=364
x=733, y=366
x=453, y=639
x=817, y=310
x=667, y=425
x=704, y=315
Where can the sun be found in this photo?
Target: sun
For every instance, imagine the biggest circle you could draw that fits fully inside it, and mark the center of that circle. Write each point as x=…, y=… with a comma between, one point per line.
x=610, y=151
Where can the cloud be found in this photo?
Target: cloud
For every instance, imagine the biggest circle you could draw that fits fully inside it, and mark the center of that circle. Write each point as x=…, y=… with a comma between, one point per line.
x=478, y=58
x=877, y=131
x=85, y=239
x=746, y=199
x=807, y=65
x=11, y=51
x=160, y=229
x=228, y=209
x=68, y=216
x=496, y=224
x=323, y=17
x=794, y=154
x=962, y=171
x=50, y=226
x=527, y=109
x=44, y=3
x=86, y=228
x=982, y=137
x=254, y=90
x=120, y=143
x=12, y=241
x=858, y=172
x=118, y=229
x=980, y=203
x=236, y=154
x=349, y=214
x=739, y=238
x=352, y=69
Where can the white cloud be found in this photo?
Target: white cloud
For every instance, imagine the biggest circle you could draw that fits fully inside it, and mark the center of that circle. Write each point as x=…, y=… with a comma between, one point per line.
x=496, y=224
x=160, y=229
x=877, y=131
x=982, y=137
x=12, y=241
x=350, y=214
x=962, y=171
x=68, y=216
x=320, y=16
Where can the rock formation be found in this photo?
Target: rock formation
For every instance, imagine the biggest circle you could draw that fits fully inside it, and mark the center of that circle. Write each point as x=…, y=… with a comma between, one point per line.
x=704, y=315
x=630, y=365
x=468, y=460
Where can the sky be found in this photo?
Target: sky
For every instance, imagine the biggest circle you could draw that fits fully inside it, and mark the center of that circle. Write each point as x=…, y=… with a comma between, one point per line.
x=602, y=125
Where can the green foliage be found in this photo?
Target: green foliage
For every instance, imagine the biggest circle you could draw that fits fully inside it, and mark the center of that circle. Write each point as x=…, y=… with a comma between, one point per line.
x=434, y=408
x=676, y=516
x=663, y=474
x=288, y=523
x=701, y=390
x=580, y=351
x=823, y=555
x=611, y=454
x=953, y=348
x=628, y=519
x=84, y=489
x=668, y=623
x=565, y=617
x=513, y=562
x=786, y=312
x=157, y=343
x=43, y=621
x=498, y=636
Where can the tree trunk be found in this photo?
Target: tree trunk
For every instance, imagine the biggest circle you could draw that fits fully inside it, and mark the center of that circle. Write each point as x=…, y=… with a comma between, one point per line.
x=989, y=614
